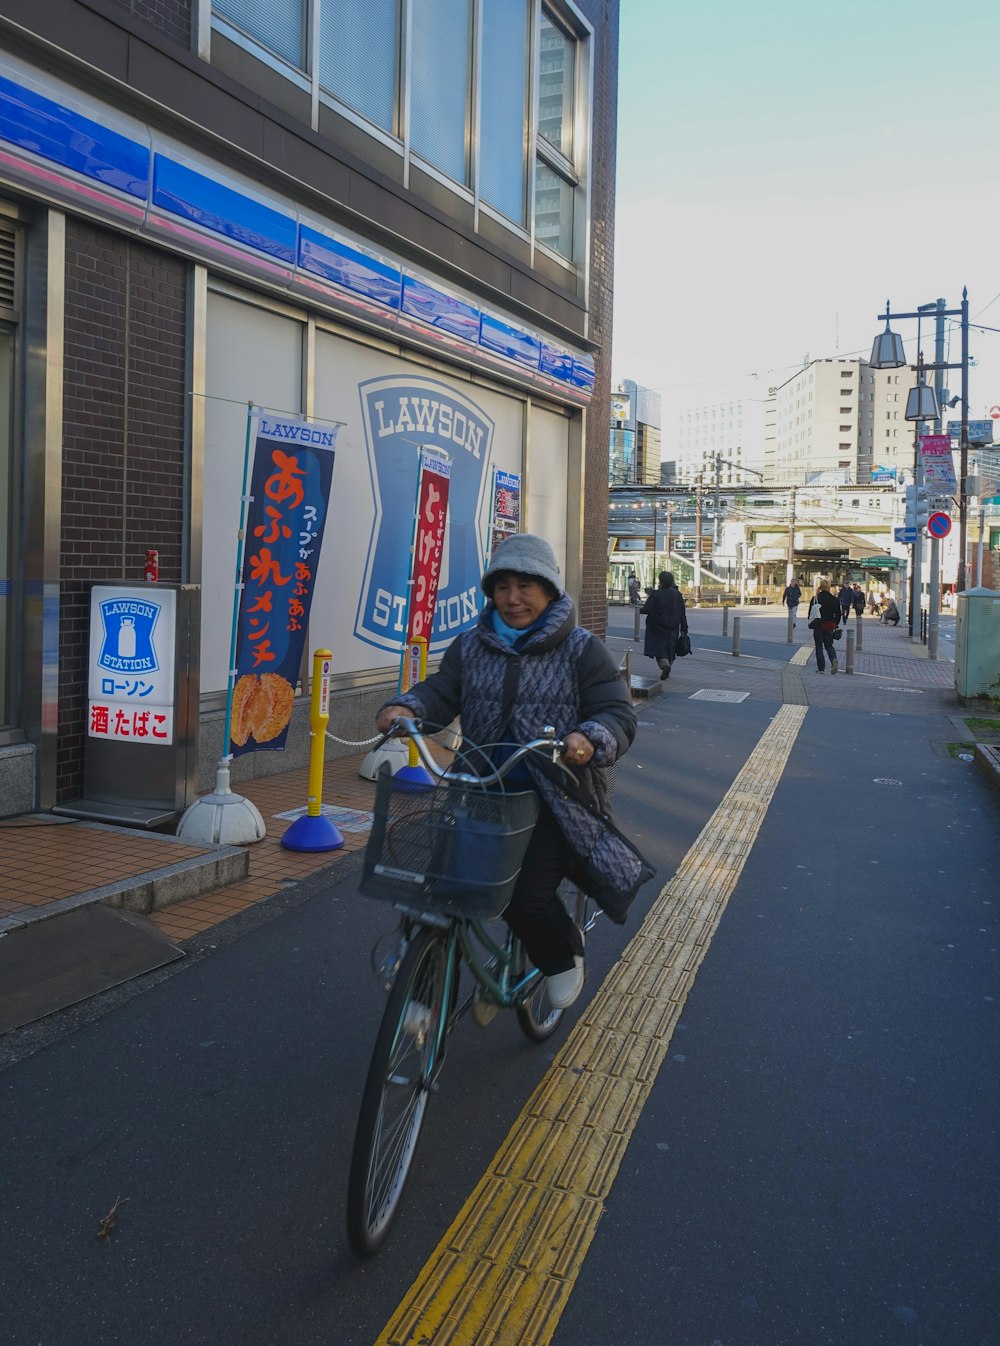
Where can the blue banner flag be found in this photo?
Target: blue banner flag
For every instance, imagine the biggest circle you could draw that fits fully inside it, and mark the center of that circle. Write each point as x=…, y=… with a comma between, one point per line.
x=289, y=499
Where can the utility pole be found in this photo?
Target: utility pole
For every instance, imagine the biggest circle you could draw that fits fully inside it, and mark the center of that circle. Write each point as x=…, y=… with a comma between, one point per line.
x=697, y=539
x=963, y=499
x=790, y=562
x=669, y=538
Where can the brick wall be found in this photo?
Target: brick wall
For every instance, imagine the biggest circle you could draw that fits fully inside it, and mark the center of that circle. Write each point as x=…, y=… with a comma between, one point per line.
x=603, y=14
x=172, y=18
x=123, y=442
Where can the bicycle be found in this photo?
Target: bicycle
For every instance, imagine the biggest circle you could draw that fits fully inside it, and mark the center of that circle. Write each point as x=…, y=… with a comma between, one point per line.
x=447, y=855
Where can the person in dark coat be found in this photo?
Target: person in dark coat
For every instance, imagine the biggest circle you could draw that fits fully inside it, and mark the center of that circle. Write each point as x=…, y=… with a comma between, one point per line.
x=791, y=598
x=666, y=618
x=634, y=592
x=824, y=618
x=891, y=613
x=859, y=602
x=524, y=665
x=846, y=599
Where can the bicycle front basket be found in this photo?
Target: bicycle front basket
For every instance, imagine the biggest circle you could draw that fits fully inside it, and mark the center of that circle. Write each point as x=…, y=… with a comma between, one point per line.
x=448, y=848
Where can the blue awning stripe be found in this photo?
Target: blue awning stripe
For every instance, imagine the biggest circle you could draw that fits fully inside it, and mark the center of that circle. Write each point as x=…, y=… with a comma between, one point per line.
x=48, y=129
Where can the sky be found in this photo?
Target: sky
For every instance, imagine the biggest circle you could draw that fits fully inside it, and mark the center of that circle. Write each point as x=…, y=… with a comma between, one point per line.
x=784, y=169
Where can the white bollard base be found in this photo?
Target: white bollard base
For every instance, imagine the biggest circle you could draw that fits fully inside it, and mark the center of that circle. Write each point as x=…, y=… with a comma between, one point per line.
x=396, y=753
x=222, y=818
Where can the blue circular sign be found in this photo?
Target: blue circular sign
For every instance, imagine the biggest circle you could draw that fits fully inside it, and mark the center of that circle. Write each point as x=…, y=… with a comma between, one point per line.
x=939, y=525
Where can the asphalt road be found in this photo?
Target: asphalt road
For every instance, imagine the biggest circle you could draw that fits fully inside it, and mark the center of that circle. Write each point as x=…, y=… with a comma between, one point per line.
x=817, y=1162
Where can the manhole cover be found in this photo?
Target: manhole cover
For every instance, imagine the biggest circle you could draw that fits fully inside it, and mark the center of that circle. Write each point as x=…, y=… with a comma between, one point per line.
x=886, y=780
x=717, y=694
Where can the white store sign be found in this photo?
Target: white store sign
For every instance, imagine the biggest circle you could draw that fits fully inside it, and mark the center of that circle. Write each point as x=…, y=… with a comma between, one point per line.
x=131, y=677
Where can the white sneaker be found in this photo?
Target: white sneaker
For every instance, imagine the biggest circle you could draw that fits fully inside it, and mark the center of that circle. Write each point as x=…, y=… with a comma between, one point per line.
x=564, y=987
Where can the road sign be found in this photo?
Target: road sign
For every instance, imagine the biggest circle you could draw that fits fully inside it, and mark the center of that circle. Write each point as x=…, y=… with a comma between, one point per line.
x=905, y=534
x=980, y=432
x=939, y=524
x=880, y=562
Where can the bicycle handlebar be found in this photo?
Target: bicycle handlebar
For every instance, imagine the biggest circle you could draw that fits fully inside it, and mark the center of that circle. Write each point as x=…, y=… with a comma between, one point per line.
x=403, y=727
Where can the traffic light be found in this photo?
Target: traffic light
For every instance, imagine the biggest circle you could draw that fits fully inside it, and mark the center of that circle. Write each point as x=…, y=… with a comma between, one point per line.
x=918, y=506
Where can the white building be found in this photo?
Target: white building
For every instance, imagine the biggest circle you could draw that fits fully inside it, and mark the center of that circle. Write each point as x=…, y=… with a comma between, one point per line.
x=722, y=437
x=839, y=420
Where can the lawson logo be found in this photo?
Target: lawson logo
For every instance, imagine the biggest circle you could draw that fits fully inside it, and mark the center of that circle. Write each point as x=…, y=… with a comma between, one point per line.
x=128, y=645
x=401, y=415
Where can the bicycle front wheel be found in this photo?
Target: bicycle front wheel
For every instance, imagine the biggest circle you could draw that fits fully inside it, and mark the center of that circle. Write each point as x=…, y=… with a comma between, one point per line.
x=395, y=1094
x=537, y=1017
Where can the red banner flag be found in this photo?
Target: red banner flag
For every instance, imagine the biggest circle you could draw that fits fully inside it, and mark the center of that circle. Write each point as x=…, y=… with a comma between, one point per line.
x=428, y=543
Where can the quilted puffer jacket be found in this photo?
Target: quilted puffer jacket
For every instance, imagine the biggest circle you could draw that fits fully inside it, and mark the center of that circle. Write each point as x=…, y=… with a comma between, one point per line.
x=565, y=677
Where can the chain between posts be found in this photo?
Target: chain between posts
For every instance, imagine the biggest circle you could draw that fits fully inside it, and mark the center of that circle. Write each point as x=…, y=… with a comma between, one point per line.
x=354, y=743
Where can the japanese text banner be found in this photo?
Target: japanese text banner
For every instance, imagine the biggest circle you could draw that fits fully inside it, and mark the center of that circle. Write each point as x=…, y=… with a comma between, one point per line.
x=289, y=498
x=428, y=543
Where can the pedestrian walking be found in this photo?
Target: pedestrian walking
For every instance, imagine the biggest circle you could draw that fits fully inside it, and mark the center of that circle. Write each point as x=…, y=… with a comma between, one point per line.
x=666, y=618
x=846, y=600
x=824, y=618
x=634, y=593
x=791, y=598
x=859, y=601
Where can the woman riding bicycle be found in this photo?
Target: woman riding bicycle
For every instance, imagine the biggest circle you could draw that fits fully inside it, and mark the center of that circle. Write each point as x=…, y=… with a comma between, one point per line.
x=526, y=664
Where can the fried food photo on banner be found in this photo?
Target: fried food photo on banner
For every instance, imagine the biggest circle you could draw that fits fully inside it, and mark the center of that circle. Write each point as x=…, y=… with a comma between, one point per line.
x=262, y=706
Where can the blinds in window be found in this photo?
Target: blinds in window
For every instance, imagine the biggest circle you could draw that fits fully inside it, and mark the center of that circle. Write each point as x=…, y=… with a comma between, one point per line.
x=503, y=106
x=359, y=56
x=277, y=24
x=8, y=265
x=439, y=84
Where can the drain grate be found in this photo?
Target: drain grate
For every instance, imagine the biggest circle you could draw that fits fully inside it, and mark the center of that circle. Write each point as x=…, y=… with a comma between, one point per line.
x=717, y=694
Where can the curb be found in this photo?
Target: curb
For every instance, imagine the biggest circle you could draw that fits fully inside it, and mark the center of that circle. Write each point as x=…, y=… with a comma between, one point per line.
x=988, y=761
x=154, y=888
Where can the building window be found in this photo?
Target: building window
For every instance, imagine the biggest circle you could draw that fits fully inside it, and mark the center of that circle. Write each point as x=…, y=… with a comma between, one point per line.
x=556, y=176
x=359, y=62
x=439, y=108
x=503, y=91
x=10, y=577
x=277, y=25
x=451, y=78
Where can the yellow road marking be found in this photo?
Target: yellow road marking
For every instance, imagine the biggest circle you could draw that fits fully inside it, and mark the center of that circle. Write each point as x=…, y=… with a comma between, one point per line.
x=504, y=1271
x=803, y=654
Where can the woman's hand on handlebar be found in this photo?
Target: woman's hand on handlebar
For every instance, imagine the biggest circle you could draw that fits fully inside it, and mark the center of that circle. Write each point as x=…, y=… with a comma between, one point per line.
x=578, y=750
x=384, y=719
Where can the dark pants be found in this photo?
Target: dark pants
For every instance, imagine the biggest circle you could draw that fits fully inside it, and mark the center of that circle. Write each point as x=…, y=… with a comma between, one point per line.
x=668, y=645
x=536, y=913
x=845, y=615
x=824, y=641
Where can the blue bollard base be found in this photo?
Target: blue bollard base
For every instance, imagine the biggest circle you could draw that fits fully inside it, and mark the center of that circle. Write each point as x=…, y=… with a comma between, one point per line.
x=312, y=834
x=413, y=778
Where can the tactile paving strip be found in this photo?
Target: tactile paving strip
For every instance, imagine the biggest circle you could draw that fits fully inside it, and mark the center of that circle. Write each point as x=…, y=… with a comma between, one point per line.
x=505, y=1269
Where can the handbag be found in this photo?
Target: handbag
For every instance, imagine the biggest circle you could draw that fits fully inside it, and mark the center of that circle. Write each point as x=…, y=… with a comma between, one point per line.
x=683, y=645
x=838, y=633
x=814, y=616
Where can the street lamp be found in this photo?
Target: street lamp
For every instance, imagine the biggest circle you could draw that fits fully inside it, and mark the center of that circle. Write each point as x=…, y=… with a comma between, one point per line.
x=887, y=353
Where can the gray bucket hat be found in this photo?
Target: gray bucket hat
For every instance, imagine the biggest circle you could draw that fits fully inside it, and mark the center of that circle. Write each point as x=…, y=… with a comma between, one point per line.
x=523, y=554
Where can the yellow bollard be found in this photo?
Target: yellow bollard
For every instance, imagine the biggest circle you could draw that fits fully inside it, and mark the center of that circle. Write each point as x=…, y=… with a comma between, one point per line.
x=413, y=775
x=314, y=832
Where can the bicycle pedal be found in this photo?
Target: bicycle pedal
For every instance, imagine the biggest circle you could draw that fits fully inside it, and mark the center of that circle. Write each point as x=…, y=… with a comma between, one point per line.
x=483, y=1010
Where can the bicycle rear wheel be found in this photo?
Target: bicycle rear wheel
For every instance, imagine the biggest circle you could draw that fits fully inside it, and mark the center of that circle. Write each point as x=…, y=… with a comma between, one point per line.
x=396, y=1091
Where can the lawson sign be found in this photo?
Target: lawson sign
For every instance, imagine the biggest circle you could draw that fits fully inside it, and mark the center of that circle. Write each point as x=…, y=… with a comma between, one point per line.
x=402, y=415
